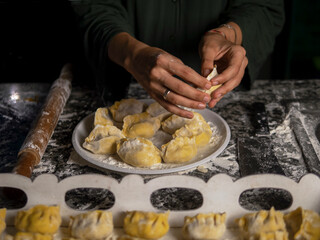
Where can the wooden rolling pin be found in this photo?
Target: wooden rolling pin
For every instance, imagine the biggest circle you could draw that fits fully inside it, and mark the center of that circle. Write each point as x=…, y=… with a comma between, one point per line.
x=39, y=135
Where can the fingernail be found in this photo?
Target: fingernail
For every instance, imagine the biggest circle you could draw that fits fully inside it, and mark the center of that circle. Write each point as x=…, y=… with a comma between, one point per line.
x=189, y=115
x=206, y=99
x=219, y=95
x=206, y=72
x=201, y=105
x=208, y=86
x=215, y=83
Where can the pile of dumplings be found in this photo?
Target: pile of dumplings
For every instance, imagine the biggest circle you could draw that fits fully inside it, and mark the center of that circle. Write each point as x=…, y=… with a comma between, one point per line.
x=128, y=128
x=42, y=222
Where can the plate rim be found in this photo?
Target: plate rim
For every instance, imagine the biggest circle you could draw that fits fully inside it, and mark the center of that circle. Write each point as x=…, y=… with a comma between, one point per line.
x=78, y=148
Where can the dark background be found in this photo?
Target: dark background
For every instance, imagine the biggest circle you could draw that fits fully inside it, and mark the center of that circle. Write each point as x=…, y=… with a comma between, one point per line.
x=38, y=37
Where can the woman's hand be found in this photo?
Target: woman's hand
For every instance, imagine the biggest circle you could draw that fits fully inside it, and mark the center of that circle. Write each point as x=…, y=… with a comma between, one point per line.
x=158, y=71
x=230, y=59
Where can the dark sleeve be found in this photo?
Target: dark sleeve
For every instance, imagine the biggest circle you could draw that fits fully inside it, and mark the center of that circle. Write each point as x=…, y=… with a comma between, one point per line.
x=260, y=21
x=99, y=21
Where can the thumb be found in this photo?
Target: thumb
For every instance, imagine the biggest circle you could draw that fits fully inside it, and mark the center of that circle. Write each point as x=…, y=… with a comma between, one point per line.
x=207, y=63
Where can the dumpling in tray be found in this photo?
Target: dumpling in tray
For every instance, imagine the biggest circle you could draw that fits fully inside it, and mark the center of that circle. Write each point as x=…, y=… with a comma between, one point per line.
x=103, y=139
x=263, y=223
x=92, y=225
x=303, y=224
x=197, y=127
x=179, y=150
x=138, y=152
x=39, y=219
x=204, y=226
x=173, y=123
x=146, y=225
x=156, y=110
x=120, y=109
x=101, y=117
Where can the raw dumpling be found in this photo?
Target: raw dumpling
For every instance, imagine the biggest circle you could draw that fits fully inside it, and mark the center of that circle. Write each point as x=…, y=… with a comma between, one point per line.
x=39, y=219
x=198, y=128
x=2, y=219
x=179, y=150
x=101, y=117
x=147, y=225
x=125, y=107
x=140, y=125
x=29, y=236
x=263, y=223
x=209, y=77
x=103, y=139
x=303, y=224
x=156, y=110
x=93, y=225
x=204, y=226
x=173, y=123
x=138, y=152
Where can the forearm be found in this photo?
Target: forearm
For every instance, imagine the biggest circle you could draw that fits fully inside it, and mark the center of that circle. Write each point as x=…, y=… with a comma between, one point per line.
x=122, y=48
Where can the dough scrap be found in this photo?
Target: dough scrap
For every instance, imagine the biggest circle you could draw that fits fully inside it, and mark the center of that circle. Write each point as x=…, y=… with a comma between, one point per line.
x=303, y=224
x=147, y=225
x=173, y=123
x=138, y=152
x=3, y=212
x=101, y=117
x=197, y=127
x=179, y=150
x=39, y=219
x=262, y=223
x=91, y=225
x=103, y=139
x=140, y=125
x=204, y=226
x=156, y=110
x=120, y=109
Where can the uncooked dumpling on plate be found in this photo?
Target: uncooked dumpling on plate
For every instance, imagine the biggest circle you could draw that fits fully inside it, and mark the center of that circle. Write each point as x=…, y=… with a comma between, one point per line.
x=125, y=107
x=2, y=219
x=29, y=236
x=179, y=150
x=140, y=125
x=39, y=219
x=146, y=225
x=303, y=224
x=138, y=152
x=103, y=139
x=198, y=128
x=101, y=117
x=204, y=226
x=263, y=223
x=92, y=225
x=173, y=123
x=156, y=110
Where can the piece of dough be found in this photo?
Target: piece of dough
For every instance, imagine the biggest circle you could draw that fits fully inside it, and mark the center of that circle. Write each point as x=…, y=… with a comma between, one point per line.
x=39, y=219
x=209, y=77
x=204, y=226
x=93, y=225
x=198, y=128
x=140, y=125
x=148, y=225
x=156, y=110
x=103, y=139
x=173, y=123
x=126, y=107
x=262, y=223
x=29, y=236
x=138, y=152
x=2, y=219
x=101, y=117
x=179, y=150
x=303, y=224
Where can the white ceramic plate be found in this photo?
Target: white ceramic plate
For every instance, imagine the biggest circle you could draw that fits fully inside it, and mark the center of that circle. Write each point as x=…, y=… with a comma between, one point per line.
x=113, y=163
